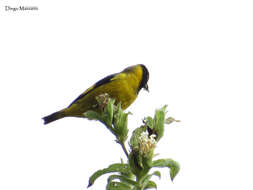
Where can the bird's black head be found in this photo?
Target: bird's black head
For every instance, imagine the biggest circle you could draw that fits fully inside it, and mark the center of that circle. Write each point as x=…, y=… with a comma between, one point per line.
x=145, y=77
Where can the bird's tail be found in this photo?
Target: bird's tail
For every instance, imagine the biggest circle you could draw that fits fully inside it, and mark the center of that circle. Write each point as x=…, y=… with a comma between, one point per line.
x=54, y=116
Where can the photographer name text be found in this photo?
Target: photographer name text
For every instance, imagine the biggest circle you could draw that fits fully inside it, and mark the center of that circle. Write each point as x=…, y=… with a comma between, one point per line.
x=21, y=8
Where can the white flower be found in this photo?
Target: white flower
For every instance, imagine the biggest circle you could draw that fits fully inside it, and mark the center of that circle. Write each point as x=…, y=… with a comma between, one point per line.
x=144, y=136
x=147, y=143
x=152, y=138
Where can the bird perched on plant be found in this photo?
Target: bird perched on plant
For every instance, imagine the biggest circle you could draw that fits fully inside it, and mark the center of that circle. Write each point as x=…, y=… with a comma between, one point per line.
x=123, y=87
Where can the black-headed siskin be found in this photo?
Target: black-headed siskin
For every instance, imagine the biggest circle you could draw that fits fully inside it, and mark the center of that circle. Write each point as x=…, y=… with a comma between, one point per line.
x=123, y=87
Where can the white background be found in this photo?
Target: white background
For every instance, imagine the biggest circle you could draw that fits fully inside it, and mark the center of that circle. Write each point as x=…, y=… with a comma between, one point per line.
x=199, y=54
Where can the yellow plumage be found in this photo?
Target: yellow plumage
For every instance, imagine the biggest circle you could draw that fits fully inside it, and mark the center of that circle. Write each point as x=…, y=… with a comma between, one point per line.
x=123, y=87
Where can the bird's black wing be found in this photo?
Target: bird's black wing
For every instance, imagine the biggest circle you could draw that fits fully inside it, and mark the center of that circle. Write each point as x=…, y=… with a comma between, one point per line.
x=96, y=85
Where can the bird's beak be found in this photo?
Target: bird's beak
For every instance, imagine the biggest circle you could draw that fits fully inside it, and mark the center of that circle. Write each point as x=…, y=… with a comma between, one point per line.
x=146, y=87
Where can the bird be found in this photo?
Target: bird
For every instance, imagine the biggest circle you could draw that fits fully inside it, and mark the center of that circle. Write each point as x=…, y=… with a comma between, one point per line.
x=123, y=87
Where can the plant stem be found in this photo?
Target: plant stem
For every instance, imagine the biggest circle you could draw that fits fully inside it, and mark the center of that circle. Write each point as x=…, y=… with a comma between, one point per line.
x=124, y=148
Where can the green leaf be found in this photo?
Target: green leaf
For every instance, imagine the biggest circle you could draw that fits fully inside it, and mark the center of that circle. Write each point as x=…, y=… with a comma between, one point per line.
x=146, y=179
x=157, y=173
x=92, y=115
x=139, y=165
x=151, y=185
x=170, y=120
x=159, y=120
x=120, y=122
x=169, y=163
x=149, y=122
x=135, y=162
x=127, y=173
x=124, y=179
x=112, y=168
x=117, y=186
x=135, y=138
x=108, y=113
